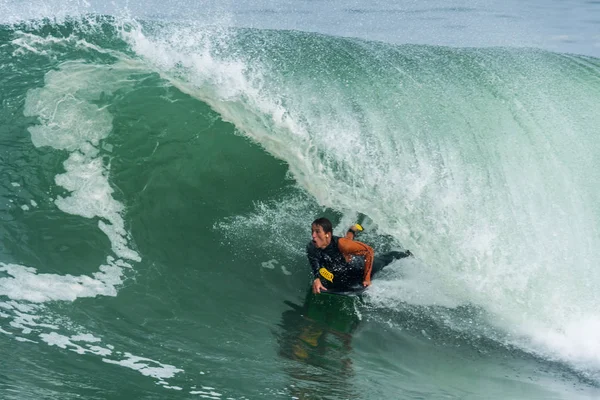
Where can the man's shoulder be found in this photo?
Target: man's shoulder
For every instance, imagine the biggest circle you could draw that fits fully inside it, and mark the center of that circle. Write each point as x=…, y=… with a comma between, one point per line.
x=345, y=244
x=343, y=241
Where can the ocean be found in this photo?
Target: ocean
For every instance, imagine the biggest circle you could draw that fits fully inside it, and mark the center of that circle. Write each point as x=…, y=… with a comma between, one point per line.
x=161, y=164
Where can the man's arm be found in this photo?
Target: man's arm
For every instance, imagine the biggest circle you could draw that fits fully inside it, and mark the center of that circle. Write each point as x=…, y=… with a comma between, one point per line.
x=313, y=260
x=352, y=247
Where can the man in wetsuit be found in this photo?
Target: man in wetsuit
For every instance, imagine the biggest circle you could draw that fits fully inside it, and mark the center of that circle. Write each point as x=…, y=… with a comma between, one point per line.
x=341, y=263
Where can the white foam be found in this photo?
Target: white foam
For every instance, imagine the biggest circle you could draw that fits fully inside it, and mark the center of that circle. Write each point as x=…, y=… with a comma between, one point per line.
x=100, y=351
x=269, y=264
x=87, y=337
x=44, y=45
x=5, y=306
x=408, y=280
x=24, y=340
x=273, y=221
x=207, y=394
x=15, y=184
x=55, y=339
x=146, y=366
x=25, y=207
x=70, y=121
x=577, y=341
x=65, y=342
x=24, y=283
x=285, y=270
x=27, y=322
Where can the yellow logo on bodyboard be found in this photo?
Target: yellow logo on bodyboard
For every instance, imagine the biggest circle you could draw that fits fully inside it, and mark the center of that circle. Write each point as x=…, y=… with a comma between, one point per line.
x=326, y=274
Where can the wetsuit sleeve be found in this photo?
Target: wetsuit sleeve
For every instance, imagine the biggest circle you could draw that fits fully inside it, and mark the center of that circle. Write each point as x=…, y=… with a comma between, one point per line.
x=313, y=259
x=355, y=248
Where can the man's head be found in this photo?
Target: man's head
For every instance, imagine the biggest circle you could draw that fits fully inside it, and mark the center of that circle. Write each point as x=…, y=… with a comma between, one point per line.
x=321, y=232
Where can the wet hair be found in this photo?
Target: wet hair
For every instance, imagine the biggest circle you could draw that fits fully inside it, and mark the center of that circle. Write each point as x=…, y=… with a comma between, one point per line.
x=324, y=223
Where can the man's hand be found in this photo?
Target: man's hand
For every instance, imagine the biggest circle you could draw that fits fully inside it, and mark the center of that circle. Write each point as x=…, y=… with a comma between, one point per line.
x=353, y=230
x=367, y=283
x=318, y=286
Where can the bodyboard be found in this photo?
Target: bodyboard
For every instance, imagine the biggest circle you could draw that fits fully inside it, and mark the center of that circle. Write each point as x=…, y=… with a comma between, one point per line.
x=353, y=291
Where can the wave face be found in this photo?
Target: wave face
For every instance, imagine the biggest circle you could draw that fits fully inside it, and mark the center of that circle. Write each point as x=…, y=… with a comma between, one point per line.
x=159, y=180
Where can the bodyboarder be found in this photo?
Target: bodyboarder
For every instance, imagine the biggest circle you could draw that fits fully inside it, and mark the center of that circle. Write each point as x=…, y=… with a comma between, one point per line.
x=342, y=264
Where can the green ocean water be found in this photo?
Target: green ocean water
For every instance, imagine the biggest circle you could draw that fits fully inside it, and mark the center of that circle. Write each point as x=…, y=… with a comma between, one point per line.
x=158, y=181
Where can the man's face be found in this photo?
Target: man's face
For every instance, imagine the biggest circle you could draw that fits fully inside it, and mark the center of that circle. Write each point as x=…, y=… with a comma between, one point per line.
x=319, y=237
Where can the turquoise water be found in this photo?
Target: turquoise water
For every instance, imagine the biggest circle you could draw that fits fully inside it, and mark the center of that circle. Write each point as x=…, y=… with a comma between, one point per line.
x=159, y=175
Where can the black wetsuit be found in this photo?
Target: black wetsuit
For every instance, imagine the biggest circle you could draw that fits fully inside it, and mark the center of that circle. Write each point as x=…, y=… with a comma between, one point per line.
x=345, y=276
